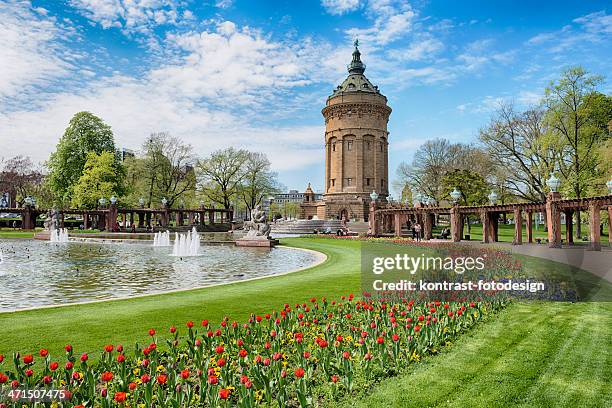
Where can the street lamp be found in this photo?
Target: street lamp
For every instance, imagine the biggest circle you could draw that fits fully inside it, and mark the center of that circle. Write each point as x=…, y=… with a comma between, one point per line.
x=455, y=195
x=493, y=198
x=374, y=196
x=141, y=202
x=164, y=201
x=102, y=201
x=113, y=200
x=609, y=184
x=553, y=183
x=28, y=201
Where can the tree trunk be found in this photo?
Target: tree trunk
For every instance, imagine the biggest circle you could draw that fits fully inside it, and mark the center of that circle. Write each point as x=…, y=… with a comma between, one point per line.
x=578, y=225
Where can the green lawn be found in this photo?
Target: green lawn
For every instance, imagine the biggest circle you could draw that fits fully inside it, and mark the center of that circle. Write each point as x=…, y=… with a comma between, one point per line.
x=505, y=233
x=531, y=354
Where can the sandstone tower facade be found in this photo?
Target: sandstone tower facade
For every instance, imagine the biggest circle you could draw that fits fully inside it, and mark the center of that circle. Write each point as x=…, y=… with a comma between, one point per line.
x=356, y=147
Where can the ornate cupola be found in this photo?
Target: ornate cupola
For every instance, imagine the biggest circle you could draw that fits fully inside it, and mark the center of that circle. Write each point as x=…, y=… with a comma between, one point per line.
x=356, y=66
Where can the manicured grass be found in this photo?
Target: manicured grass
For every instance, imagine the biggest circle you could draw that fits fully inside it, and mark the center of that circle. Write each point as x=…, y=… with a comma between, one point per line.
x=531, y=355
x=11, y=234
x=505, y=233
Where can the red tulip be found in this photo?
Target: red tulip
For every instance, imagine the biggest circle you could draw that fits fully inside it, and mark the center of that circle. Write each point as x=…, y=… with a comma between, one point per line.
x=185, y=374
x=219, y=349
x=53, y=366
x=132, y=386
x=107, y=376
x=243, y=353
x=173, y=329
x=68, y=348
x=69, y=366
x=221, y=362
x=151, y=332
x=145, y=378
x=84, y=357
x=120, y=396
x=334, y=378
x=380, y=340
x=120, y=358
x=43, y=352
x=299, y=372
x=161, y=379
x=1, y=358
x=109, y=348
x=212, y=380
x=28, y=359
x=204, y=323
x=3, y=378
x=224, y=393
x=190, y=324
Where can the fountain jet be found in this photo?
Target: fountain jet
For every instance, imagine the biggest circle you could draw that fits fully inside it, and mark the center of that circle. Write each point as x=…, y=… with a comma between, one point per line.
x=161, y=239
x=186, y=244
x=58, y=235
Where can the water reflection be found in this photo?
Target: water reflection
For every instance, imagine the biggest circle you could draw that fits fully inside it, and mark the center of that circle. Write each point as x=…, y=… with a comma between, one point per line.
x=37, y=273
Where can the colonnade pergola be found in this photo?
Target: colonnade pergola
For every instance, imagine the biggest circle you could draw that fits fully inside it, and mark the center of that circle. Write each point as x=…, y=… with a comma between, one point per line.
x=149, y=218
x=388, y=219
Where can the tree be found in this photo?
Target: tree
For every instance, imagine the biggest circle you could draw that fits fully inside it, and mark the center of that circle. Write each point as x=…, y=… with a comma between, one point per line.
x=221, y=175
x=473, y=187
x=433, y=159
x=19, y=179
x=524, y=152
x=570, y=101
x=258, y=181
x=85, y=133
x=99, y=179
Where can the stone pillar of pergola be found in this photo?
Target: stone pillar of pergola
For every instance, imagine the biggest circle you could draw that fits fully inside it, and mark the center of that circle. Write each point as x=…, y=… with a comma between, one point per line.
x=489, y=226
x=569, y=226
x=594, y=221
x=397, y=223
x=86, y=220
x=165, y=217
x=28, y=218
x=455, y=223
x=518, y=227
x=553, y=220
x=529, y=226
x=211, y=217
x=428, y=225
x=373, y=225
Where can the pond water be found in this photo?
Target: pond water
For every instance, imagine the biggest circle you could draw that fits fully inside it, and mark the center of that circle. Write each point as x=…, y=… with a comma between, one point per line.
x=38, y=273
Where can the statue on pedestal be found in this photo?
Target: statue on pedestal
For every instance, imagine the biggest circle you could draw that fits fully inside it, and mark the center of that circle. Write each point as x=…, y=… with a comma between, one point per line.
x=257, y=227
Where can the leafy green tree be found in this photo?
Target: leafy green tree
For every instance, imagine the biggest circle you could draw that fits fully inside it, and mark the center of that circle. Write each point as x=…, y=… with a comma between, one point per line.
x=99, y=179
x=258, y=180
x=221, y=175
x=85, y=133
x=571, y=103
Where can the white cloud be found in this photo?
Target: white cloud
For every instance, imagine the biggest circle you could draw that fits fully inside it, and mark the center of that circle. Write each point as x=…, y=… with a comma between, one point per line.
x=392, y=19
x=224, y=4
x=130, y=15
x=30, y=53
x=592, y=28
x=420, y=49
x=339, y=7
x=201, y=95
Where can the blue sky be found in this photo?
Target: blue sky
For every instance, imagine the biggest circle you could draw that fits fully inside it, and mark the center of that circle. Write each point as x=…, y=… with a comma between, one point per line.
x=255, y=74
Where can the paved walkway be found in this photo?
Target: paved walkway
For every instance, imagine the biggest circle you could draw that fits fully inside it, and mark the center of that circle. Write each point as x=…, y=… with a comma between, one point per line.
x=598, y=263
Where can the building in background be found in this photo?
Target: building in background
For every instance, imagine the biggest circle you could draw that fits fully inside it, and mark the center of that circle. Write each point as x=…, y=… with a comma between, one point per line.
x=356, y=149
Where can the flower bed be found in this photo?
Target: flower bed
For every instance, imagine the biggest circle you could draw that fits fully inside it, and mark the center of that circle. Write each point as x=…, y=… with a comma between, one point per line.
x=297, y=356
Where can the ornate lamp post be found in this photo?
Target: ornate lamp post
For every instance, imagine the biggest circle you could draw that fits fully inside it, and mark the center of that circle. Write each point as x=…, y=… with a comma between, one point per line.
x=493, y=198
x=374, y=196
x=141, y=202
x=609, y=185
x=113, y=200
x=553, y=183
x=164, y=201
x=102, y=202
x=28, y=201
x=455, y=195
